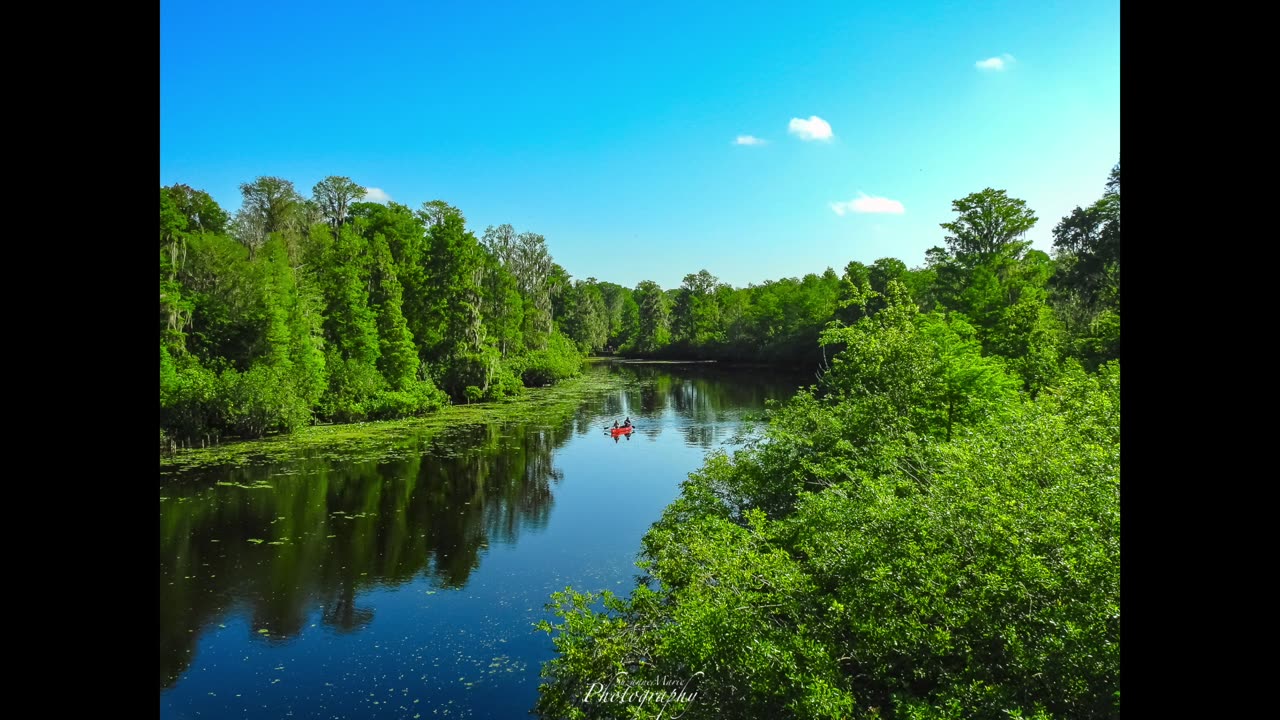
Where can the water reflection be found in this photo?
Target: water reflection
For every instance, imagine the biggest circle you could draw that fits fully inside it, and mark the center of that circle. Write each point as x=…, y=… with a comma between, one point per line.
x=704, y=399
x=278, y=543
x=273, y=543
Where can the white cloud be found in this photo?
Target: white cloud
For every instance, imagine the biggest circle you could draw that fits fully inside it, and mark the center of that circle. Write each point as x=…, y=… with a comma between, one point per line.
x=748, y=140
x=995, y=63
x=868, y=204
x=815, y=128
x=376, y=195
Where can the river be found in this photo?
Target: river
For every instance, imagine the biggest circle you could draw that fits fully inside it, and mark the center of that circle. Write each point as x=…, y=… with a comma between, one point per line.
x=404, y=581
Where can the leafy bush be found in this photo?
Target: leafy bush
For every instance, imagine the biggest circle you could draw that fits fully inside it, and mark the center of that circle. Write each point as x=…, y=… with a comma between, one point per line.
x=1102, y=342
x=858, y=562
x=560, y=360
x=353, y=387
x=485, y=371
x=189, y=406
x=261, y=401
x=418, y=397
x=505, y=383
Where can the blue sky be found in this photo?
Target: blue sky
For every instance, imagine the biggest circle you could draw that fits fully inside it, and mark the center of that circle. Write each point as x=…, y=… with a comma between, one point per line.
x=612, y=129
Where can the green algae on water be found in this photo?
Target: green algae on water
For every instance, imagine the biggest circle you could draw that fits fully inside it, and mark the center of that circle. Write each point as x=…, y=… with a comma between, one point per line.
x=385, y=439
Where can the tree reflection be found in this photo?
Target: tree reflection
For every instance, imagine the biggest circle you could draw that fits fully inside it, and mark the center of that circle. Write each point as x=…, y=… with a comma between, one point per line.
x=341, y=614
x=705, y=399
x=328, y=530
x=277, y=541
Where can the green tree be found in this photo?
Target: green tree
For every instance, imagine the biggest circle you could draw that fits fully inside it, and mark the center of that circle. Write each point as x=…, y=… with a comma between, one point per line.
x=270, y=204
x=885, y=270
x=1086, y=288
x=334, y=196
x=503, y=307
x=398, y=356
x=434, y=212
x=628, y=333
x=526, y=257
x=407, y=241
x=226, y=312
x=652, y=330
x=200, y=212
x=175, y=308
x=587, y=320
x=965, y=385
x=695, y=314
x=855, y=296
x=453, y=263
x=989, y=224
x=535, y=272
x=351, y=322
x=1029, y=336
x=1088, y=240
x=881, y=367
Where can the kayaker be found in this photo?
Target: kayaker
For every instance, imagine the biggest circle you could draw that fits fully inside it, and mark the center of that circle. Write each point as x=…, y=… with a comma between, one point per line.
x=628, y=422
x=615, y=424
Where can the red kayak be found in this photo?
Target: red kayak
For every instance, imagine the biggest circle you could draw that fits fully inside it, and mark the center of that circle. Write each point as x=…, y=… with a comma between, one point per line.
x=621, y=431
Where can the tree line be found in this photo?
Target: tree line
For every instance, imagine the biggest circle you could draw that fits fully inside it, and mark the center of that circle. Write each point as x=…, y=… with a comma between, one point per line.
x=328, y=308
x=1030, y=307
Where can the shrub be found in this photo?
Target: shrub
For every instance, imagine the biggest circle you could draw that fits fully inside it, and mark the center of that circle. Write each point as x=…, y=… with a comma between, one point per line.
x=418, y=397
x=353, y=387
x=261, y=401
x=189, y=402
x=825, y=573
x=560, y=360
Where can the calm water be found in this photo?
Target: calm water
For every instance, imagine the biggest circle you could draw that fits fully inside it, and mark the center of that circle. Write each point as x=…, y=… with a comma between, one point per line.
x=409, y=586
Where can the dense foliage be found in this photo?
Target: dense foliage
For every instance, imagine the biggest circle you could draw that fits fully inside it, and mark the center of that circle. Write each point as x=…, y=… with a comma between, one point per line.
x=1032, y=309
x=329, y=308
x=930, y=531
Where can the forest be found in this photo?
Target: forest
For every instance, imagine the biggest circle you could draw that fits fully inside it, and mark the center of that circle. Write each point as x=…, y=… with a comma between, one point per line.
x=931, y=530
x=297, y=310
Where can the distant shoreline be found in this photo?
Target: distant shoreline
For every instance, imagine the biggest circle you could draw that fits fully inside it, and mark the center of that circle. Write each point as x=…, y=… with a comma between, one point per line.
x=641, y=361
x=726, y=364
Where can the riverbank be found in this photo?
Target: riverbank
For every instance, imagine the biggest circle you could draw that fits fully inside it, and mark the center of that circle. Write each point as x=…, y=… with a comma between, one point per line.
x=370, y=439
x=727, y=364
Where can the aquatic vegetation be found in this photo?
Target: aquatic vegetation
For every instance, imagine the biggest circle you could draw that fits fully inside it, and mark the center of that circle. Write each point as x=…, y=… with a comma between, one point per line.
x=385, y=439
